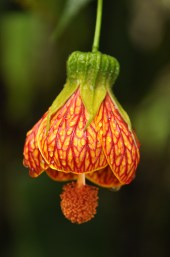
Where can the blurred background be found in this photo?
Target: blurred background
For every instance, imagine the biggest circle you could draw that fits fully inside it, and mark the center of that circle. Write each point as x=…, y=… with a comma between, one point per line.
x=36, y=37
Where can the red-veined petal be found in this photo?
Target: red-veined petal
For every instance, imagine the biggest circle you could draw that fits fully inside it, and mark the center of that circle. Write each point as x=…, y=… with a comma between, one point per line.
x=118, y=141
x=32, y=156
x=60, y=176
x=68, y=146
x=104, y=178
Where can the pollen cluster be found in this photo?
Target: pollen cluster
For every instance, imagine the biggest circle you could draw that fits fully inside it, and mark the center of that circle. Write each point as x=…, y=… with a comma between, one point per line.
x=79, y=204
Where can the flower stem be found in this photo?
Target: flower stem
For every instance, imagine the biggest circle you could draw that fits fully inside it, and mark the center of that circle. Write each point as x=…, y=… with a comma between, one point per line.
x=95, y=46
x=81, y=180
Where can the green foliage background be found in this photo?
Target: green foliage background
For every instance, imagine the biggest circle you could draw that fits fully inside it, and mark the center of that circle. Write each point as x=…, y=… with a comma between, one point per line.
x=36, y=38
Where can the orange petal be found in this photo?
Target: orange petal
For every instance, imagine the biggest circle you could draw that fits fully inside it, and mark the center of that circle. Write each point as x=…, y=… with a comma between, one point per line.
x=119, y=144
x=32, y=156
x=104, y=178
x=68, y=146
x=60, y=176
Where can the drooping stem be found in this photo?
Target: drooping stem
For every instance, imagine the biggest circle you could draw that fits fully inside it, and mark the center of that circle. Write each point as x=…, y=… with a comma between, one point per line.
x=81, y=180
x=98, y=26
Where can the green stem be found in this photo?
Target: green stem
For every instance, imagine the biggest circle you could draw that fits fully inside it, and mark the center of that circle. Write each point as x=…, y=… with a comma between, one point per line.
x=98, y=26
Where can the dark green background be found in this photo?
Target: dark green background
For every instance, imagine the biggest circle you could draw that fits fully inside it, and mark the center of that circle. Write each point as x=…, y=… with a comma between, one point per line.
x=133, y=222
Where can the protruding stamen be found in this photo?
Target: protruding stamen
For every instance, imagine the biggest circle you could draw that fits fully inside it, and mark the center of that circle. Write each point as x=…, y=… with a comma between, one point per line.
x=81, y=180
x=79, y=203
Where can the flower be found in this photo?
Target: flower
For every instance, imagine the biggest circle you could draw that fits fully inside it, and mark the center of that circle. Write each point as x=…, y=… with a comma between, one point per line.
x=84, y=134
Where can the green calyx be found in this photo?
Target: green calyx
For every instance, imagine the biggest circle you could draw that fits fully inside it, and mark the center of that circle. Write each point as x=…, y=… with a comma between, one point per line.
x=92, y=68
x=93, y=73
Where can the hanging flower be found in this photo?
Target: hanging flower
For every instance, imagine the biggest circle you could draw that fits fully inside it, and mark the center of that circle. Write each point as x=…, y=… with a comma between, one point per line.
x=84, y=134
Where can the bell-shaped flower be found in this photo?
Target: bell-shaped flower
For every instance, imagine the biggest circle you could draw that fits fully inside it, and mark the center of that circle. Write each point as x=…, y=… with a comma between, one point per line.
x=84, y=134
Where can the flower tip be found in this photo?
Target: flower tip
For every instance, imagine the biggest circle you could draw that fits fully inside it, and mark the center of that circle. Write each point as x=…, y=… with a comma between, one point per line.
x=79, y=204
x=115, y=189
